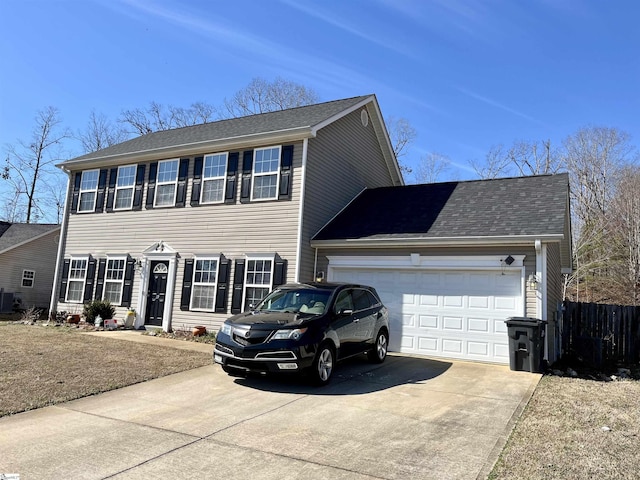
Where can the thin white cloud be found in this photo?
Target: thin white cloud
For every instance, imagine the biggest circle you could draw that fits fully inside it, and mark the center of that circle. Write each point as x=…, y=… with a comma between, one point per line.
x=493, y=103
x=347, y=27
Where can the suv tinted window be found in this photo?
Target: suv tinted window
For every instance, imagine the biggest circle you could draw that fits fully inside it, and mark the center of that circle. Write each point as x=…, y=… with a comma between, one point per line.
x=344, y=301
x=361, y=299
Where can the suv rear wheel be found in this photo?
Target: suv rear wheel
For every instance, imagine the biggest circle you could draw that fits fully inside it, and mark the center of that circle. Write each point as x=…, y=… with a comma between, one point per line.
x=379, y=351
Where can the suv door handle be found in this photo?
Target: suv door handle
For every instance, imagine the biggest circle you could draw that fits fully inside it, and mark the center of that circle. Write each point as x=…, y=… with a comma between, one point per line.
x=356, y=320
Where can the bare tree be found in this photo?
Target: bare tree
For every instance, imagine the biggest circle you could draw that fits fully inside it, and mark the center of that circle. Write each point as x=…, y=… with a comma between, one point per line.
x=100, y=133
x=431, y=166
x=157, y=117
x=262, y=96
x=31, y=163
x=496, y=164
x=402, y=135
x=534, y=158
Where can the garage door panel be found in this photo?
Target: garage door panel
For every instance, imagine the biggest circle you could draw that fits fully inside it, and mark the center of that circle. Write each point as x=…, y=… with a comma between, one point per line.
x=458, y=314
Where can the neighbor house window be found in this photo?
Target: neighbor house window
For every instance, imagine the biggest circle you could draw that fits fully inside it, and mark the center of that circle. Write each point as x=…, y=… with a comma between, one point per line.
x=88, y=190
x=113, y=280
x=266, y=168
x=258, y=278
x=77, y=278
x=28, y=277
x=213, y=178
x=205, y=277
x=167, y=183
x=124, y=187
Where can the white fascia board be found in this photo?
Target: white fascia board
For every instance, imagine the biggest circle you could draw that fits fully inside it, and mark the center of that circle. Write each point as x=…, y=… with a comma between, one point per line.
x=458, y=262
x=434, y=242
x=243, y=141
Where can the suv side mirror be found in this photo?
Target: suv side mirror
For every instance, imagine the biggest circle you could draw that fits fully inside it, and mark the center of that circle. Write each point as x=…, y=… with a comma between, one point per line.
x=345, y=311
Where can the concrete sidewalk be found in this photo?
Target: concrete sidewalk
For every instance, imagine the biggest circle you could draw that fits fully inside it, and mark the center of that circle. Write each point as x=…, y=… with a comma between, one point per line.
x=139, y=336
x=407, y=418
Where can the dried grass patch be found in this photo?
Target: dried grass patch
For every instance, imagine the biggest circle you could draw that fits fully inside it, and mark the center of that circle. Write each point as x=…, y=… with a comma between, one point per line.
x=560, y=433
x=42, y=366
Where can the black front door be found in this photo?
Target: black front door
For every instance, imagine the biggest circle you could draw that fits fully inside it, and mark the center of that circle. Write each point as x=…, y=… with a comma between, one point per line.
x=156, y=293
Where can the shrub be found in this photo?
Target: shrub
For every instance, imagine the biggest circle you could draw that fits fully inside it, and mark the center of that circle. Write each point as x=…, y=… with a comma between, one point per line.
x=98, y=307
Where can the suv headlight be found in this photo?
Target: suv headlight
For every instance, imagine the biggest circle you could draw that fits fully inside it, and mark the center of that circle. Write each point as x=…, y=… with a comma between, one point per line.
x=226, y=329
x=288, y=334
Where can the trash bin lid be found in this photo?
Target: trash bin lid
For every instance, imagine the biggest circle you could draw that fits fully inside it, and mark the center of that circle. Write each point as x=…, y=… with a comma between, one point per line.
x=524, y=321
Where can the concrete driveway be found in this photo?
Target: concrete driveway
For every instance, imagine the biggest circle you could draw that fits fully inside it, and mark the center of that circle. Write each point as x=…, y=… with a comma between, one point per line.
x=407, y=418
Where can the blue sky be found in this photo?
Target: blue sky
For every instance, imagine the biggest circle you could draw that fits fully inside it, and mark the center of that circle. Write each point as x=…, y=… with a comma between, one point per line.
x=466, y=74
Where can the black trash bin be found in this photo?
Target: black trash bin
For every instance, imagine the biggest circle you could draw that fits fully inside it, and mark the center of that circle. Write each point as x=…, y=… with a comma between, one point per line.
x=526, y=343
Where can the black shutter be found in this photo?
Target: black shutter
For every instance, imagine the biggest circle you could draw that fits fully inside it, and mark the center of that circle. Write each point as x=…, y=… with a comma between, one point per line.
x=197, y=181
x=64, y=279
x=238, y=284
x=112, y=189
x=247, y=166
x=76, y=192
x=151, y=187
x=137, y=192
x=187, y=283
x=279, y=272
x=102, y=266
x=183, y=171
x=223, y=285
x=286, y=161
x=232, y=178
x=102, y=186
x=89, y=282
x=127, y=287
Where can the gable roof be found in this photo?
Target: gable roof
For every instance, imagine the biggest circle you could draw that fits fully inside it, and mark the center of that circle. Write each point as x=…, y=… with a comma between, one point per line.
x=506, y=210
x=13, y=235
x=252, y=130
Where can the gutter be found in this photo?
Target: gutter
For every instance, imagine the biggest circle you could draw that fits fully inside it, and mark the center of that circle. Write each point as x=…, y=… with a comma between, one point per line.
x=53, y=304
x=400, y=242
x=281, y=136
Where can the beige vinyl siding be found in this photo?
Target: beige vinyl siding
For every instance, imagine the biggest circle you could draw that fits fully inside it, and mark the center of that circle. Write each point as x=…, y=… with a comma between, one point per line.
x=343, y=159
x=529, y=260
x=234, y=230
x=38, y=255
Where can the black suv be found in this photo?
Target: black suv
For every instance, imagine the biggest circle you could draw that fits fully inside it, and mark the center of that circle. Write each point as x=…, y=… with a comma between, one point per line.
x=304, y=328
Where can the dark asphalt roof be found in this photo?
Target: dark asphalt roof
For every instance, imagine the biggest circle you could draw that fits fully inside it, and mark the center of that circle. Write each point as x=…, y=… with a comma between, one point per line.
x=306, y=116
x=535, y=205
x=12, y=234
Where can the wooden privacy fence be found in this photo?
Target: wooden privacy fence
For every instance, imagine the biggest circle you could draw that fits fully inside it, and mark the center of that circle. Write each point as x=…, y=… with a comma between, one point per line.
x=600, y=335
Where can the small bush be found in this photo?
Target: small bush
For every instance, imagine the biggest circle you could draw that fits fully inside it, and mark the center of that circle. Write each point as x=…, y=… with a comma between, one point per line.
x=98, y=307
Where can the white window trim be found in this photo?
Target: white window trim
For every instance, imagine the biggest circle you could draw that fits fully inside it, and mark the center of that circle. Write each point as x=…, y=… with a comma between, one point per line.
x=214, y=284
x=223, y=177
x=246, y=285
x=174, y=182
x=32, y=279
x=69, y=279
x=276, y=173
x=94, y=190
x=121, y=282
x=132, y=187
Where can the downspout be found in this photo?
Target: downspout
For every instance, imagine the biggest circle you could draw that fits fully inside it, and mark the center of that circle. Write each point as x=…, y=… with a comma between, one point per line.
x=303, y=170
x=53, y=304
x=541, y=293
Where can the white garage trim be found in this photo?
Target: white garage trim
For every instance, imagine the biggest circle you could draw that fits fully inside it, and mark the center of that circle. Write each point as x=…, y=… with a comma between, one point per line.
x=458, y=313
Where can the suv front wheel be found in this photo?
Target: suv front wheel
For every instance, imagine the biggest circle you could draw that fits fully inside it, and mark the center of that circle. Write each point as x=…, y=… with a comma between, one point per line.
x=323, y=363
x=379, y=351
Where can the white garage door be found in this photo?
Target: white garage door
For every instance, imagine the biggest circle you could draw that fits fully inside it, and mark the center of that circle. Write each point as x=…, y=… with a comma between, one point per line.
x=446, y=313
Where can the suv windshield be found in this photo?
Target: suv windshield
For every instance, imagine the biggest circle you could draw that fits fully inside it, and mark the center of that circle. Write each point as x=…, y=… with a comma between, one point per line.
x=303, y=300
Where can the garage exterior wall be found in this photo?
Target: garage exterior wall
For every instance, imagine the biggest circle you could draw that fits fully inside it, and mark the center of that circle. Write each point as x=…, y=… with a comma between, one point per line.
x=529, y=260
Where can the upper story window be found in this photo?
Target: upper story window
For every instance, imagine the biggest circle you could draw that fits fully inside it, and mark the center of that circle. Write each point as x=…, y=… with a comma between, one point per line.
x=124, y=187
x=88, y=190
x=205, y=279
x=77, y=278
x=114, y=280
x=28, y=278
x=266, y=168
x=167, y=183
x=213, y=178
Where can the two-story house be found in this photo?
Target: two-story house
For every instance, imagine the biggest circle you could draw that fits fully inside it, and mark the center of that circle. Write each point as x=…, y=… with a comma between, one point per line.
x=190, y=225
